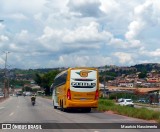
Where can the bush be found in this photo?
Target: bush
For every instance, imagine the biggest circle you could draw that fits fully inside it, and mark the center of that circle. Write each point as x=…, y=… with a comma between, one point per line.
x=106, y=102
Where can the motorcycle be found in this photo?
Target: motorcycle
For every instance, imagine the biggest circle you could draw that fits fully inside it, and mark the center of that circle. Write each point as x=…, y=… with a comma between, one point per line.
x=33, y=103
x=33, y=100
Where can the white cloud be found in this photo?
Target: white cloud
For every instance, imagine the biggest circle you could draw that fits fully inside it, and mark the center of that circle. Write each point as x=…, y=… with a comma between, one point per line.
x=51, y=38
x=18, y=16
x=155, y=53
x=1, y=61
x=22, y=6
x=77, y=60
x=145, y=15
x=14, y=47
x=124, y=58
x=118, y=43
x=134, y=28
x=23, y=35
x=92, y=32
x=89, y=33
x=109, y=6
x=2, y=27
x=87, y=36
x=3, y=38
x=87, y=8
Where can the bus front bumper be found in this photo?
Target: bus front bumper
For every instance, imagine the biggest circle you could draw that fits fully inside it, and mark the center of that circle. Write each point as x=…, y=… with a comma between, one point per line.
x=81, y=104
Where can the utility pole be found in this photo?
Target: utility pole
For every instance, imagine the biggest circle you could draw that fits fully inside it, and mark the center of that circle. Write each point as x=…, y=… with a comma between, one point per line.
x=104, y=93
x=6, y=89
x=104, y=83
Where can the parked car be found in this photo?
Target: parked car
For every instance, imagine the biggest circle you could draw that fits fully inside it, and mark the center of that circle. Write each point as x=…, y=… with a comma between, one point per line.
x=14, y=95
x=141, y=100
x=126, y=102
x=120, y=99
x=1, y=95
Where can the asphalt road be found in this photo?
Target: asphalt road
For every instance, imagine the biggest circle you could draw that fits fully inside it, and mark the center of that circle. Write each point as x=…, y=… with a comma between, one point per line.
x=20, y=110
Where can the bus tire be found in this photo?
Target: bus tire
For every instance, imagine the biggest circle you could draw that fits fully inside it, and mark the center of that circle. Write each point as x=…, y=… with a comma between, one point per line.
x=65, y=109
x=55, y=107
x=61, y=106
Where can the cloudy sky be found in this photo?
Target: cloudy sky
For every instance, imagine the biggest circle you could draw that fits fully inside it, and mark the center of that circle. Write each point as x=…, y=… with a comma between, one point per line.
x=69, y=33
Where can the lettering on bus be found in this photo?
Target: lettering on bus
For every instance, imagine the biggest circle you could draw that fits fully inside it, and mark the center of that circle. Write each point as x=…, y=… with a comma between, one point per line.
x=83, y=84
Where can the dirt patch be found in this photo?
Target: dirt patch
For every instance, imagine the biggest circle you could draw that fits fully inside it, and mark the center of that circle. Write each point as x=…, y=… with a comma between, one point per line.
x=152, y=121
x=3, y=99
x=110, y=112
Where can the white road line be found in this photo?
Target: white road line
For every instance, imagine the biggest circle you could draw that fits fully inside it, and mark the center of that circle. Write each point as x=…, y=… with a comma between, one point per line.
x=11, y=114
x=2, y=108
x=17, y=106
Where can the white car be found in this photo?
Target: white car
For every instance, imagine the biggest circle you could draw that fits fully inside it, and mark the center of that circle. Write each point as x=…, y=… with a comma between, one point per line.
x=1, y=95
x=126, y=102
x=119, y=100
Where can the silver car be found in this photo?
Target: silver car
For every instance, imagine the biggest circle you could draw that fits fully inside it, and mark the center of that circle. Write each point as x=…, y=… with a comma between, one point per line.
x=126, y=102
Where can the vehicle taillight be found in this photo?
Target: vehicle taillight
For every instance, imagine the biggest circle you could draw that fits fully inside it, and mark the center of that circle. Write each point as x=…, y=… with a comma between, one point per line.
x=68, y=94
x=96, y=95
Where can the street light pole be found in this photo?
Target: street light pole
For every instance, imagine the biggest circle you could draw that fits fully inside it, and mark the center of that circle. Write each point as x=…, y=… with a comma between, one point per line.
x=6, y=90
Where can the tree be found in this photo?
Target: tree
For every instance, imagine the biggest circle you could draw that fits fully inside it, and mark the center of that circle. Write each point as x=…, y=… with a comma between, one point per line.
x=142, y=75
x=38, y=79
x=46, y=80
x=28, y=89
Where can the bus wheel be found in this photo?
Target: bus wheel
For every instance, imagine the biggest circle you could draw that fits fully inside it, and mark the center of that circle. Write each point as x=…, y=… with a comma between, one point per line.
x=65, y=109
x=61, y=106
x=55, y=107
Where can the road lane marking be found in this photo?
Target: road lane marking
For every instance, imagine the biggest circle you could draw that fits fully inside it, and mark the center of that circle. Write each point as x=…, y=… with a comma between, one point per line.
x=11, y=114
x=17, y=106
x=2, y=108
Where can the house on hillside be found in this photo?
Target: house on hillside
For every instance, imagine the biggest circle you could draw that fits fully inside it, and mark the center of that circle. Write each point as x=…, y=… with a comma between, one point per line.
x=125, y=83
x=154, y=81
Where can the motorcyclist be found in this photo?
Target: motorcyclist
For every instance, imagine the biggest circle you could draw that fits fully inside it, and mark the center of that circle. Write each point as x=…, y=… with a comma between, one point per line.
x=33, y=98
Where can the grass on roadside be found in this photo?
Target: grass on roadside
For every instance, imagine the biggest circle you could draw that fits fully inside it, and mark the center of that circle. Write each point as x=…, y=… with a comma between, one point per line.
x=141, y=113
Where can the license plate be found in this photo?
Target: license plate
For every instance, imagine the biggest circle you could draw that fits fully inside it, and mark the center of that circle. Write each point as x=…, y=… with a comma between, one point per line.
x=83, y=99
